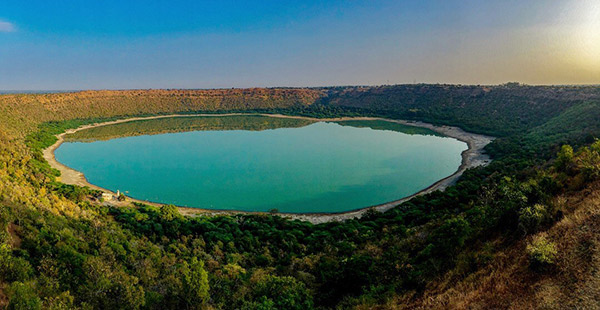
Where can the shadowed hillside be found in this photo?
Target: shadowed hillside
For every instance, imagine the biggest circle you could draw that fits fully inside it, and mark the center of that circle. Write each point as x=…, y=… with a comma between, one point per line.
x=495, y=110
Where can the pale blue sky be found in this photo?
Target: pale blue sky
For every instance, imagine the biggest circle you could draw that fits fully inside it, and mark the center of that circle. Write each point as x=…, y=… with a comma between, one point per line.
x=206, y=44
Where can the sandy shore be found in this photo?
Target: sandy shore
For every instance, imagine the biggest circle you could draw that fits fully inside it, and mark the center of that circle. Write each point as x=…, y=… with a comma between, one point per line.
x=472, y=157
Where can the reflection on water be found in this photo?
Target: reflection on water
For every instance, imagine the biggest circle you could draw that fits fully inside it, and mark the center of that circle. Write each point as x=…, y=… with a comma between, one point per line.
x=182, y=124
x=256, y=163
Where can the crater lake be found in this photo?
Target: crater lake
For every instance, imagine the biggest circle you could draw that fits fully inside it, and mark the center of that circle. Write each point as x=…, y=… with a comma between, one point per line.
x=260, y=163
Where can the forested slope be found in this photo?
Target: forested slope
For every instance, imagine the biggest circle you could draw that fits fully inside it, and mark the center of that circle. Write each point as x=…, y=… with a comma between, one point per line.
x=59, y=249
x=21, y=113
x=496, y=110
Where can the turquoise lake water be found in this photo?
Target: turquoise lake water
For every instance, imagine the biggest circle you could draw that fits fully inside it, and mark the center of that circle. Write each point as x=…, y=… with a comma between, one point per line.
x=314, y=167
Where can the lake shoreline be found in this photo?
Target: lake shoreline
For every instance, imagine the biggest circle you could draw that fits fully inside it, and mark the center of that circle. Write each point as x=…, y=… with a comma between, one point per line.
x=472, y=157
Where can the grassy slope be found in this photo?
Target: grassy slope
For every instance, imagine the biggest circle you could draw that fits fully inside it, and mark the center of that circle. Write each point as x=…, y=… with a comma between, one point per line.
x=507, y=282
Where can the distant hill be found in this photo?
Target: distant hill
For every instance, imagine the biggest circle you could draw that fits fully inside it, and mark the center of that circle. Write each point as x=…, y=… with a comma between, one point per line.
x=19, y=113
x=496, y=110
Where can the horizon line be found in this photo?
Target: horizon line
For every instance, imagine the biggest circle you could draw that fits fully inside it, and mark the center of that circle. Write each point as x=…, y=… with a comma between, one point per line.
x=48, y=91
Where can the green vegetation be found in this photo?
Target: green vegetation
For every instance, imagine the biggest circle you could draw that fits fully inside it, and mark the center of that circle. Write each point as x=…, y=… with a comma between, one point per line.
x=533, y=217
x=60, y=249
x=496, y=110
x=541, y=252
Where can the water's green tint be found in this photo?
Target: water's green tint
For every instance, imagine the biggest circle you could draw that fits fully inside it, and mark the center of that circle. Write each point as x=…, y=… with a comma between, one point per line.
x=290, y=165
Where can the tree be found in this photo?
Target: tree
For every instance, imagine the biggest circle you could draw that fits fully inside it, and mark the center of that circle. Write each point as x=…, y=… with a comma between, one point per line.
x=23, y=297
x=451, y=235
x=195, y=283
x=564, y=157
x=531, y=218
x=109, y=287
x=283, y=293
x=169, y=213
x=64, y=301
x=13, y=268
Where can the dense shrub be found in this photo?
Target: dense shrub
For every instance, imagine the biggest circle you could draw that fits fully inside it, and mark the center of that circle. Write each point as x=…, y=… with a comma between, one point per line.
x=23, y=296
x=542, y=252
x=564, y=158
x=13, y=268
x=531, y=218
x=280, y=293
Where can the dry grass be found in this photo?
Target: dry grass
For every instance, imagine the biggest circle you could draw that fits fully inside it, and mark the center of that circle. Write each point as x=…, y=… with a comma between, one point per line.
x=508, y=283
x=3, y=297
x=13, y=232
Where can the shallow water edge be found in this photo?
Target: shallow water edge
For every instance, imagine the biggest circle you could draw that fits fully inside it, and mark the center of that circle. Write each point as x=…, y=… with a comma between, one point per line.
x=472, y=157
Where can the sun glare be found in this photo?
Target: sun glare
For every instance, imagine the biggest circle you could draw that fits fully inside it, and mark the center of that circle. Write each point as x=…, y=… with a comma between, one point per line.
x=589, y=34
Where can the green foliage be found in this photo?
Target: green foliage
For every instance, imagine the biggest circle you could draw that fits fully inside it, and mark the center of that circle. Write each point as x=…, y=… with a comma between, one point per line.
x=531, y=218
x=280, y=293
x=500, y=111
x=45, y=136
x=576, y=125
x=588, y=161
x=169, y=213
x=564, y=157
x=71, y=192
x=451, y=235
x=64, y=301
x=263, y=303
x=542, y=252
x=108, y=288
x=13, y=268
x=195, y=283
x=22, y=296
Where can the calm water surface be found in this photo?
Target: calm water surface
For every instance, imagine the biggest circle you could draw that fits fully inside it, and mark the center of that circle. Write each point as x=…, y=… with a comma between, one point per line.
x=300, y=167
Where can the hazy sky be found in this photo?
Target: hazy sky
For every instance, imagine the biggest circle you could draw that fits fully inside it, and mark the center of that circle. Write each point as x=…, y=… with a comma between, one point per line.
x=119, y=44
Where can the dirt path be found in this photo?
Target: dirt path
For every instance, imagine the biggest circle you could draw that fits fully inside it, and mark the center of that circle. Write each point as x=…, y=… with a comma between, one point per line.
x=472, y=157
